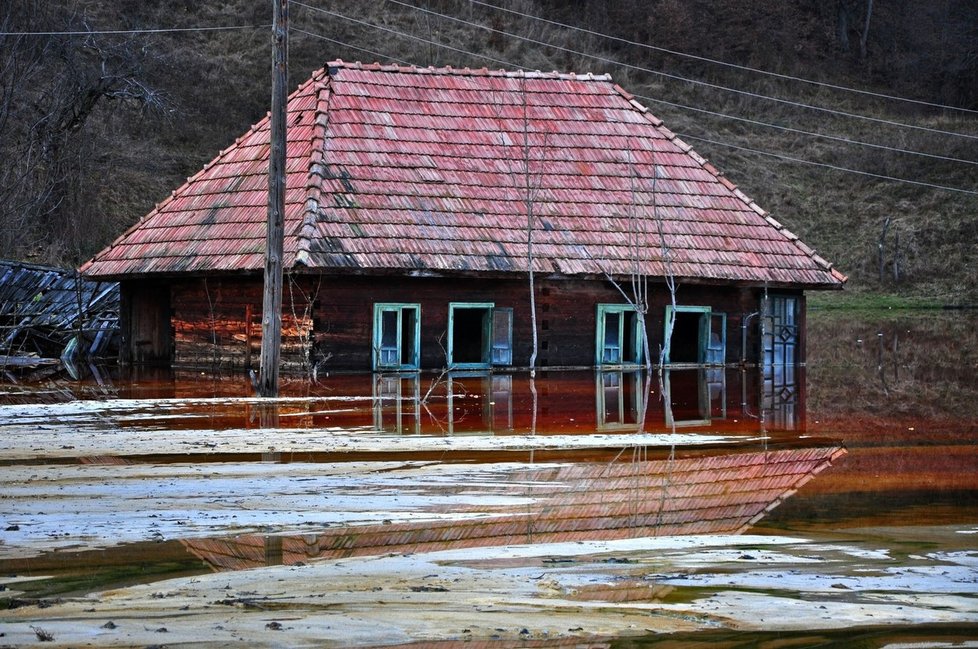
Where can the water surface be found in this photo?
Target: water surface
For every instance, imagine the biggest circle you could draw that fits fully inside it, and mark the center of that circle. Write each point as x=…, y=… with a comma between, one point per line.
x=828, y=505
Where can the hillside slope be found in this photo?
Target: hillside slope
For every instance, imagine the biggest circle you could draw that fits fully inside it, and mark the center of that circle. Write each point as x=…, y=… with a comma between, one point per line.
x=99, y=127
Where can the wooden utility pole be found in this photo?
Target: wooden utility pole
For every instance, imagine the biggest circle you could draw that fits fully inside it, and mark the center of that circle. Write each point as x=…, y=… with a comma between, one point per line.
x=271, y=323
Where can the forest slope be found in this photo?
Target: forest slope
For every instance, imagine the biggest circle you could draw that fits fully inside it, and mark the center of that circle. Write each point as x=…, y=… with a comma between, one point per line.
x=97, y=127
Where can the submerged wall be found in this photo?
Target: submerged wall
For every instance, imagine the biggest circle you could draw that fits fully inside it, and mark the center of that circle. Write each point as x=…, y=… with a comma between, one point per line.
x=330, y=322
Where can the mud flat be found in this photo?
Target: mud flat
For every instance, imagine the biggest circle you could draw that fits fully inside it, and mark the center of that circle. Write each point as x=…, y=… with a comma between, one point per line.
x=530, y=595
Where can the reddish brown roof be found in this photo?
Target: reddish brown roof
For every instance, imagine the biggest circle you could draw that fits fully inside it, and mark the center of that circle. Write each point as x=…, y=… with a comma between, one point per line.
x=723, y=494
x=393, y=168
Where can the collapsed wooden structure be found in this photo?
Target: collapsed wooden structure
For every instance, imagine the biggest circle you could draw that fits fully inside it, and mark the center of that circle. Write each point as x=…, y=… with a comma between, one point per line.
x=47, y=313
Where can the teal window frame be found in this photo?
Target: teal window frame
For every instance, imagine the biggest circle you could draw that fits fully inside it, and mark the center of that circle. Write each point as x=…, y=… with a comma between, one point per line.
x=395, y=400
x=611, y=355
x=708, y=352
x=491, y=353
x=389, y=352
x=617, y=395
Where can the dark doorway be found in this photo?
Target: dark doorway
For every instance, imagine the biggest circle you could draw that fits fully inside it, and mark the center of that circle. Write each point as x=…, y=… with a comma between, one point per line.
x=470, y=335
x=685, y=344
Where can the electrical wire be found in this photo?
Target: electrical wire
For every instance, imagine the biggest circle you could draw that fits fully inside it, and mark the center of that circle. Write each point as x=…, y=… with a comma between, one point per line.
x=638, y=68
x=705, y=59
x=781, y=156
x=686, y=136
x=161, y=30
x=354, y=47
x=390, y=30
x=798, y=131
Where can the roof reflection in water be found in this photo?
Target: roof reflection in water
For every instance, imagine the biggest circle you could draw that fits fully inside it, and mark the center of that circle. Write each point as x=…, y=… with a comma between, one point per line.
x=491, y=499
x=554, y=502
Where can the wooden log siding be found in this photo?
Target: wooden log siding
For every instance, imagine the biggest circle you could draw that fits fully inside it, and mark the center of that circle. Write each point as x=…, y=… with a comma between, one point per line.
x=217, y=325
x=210, y=320
x=566, y=315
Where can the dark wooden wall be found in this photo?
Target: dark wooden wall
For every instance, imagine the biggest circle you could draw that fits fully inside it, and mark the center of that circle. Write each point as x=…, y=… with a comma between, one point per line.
x=328, y=321
x=566, y=315
x=144, y=323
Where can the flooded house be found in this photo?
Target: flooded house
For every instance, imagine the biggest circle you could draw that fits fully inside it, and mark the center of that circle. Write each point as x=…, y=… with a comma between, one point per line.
x=466, y=219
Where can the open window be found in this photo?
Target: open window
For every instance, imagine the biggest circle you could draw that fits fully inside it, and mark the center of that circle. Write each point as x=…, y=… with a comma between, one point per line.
x=479, y=335
x=618, y=336
x=397, y=335
x=699, y=336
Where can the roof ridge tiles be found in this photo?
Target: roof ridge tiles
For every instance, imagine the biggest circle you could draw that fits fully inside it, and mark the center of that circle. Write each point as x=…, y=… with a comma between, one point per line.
x=316, y=176
x=334, y=66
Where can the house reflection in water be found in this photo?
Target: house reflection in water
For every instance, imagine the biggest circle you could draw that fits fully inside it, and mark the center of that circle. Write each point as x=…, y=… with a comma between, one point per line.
x=457, y=403
x=481, y=495
x=480, y=502
x=714, y=399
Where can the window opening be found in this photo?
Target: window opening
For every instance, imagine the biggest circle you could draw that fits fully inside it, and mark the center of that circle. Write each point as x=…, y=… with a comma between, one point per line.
x=685, y=344
x=618, y=335
x=409, y=342
x=479, y=335
x=396, y=336
x=699, y=336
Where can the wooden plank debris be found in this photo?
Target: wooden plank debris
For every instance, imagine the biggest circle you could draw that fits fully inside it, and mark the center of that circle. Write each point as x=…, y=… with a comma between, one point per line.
x=47, y=313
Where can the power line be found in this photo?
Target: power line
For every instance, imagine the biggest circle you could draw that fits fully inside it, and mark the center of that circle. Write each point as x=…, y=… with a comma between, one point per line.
x=701, y=110
x=781, y=156
x=405, y=35
x=354, y=47
x=790, y=129
x=161, y=30
x=681, y=135
x=660, y=73
x=706, y=59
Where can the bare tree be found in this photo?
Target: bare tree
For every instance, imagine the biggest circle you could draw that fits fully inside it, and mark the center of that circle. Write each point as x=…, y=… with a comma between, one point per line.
x=864, y=37
x=529, y=192
x=665, y=255
x=527, y=184
x=56, y=75
x=847, y=15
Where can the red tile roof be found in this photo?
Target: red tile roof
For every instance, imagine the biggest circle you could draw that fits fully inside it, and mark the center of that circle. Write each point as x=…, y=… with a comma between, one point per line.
x=573, y=501
x=392, y=169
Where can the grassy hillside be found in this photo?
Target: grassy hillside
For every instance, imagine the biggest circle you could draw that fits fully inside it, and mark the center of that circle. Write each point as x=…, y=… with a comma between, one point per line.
x=170, y=101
